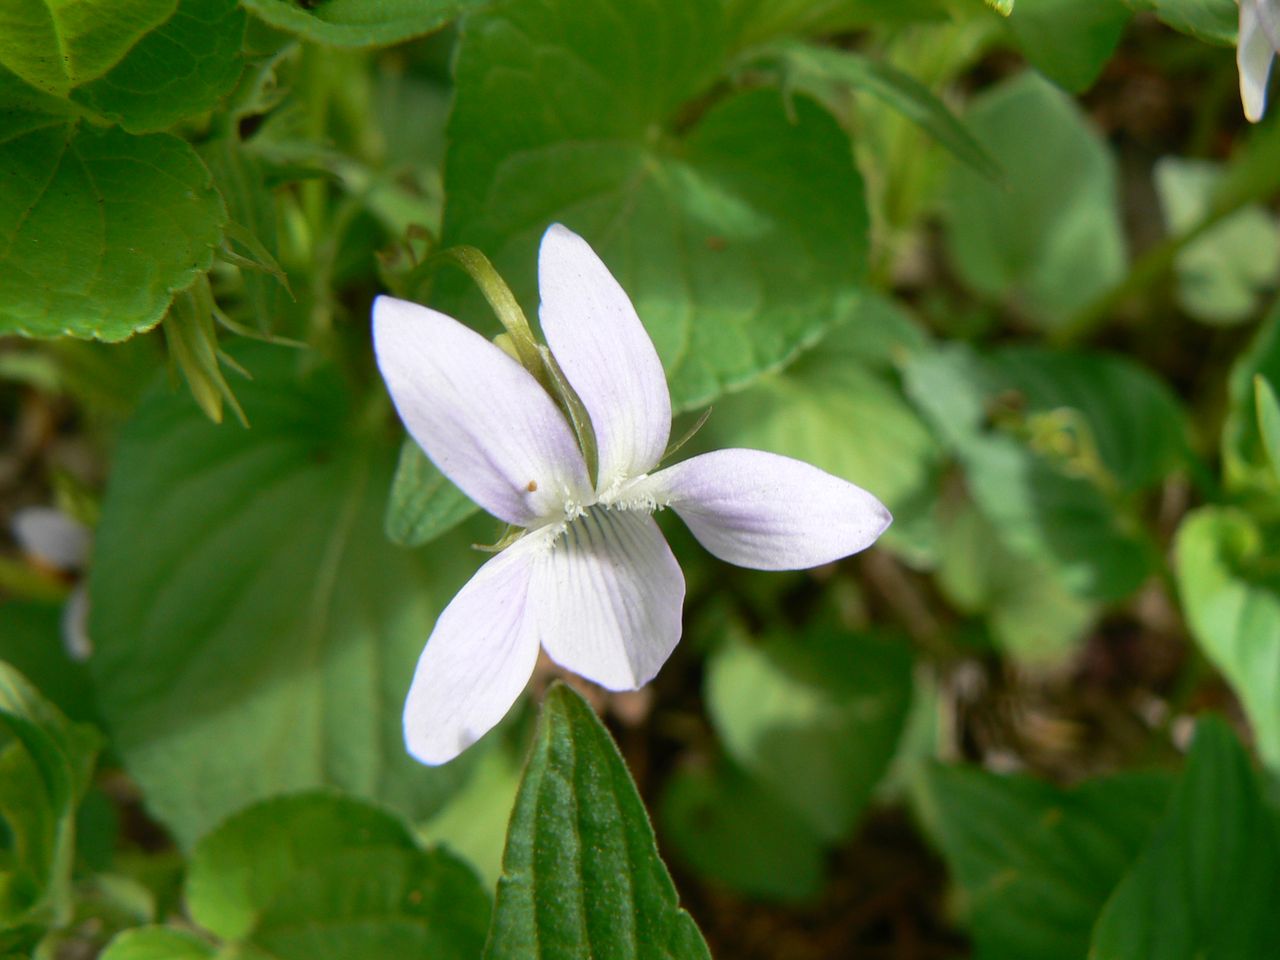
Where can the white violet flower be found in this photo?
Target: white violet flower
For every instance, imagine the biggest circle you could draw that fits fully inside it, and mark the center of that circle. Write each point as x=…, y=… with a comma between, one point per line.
x=1256, y=50
x=591, y=579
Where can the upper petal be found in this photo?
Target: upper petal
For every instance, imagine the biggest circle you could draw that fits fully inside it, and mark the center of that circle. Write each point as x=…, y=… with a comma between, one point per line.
x=769, y=512
x=606, y=354
x=608, y=598
x=480, y=416
x=1255, y=52
x=479, y=657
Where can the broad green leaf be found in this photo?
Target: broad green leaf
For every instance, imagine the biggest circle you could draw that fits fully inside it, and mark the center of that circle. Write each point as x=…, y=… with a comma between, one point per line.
x=1231, y=593
x=56, y=45
x=99, y=229
x=261, y=636
x=838, y=407
x=812, y=67
x=1214, y=21
x=424, y=503
x=1205, y=886
x=181, y=68
x=158, y=943
x=739, y=231
x=816, y=717
x=1069, y=41
x=359, y=23
x=1036, y=862
x=1029, y=611
x=1048, y=238
x=708, y=814
x=45, y=765
x=581, y=874
x=327, y=877
x=1222, y=274
x=1268, y=420
x=1244, y=457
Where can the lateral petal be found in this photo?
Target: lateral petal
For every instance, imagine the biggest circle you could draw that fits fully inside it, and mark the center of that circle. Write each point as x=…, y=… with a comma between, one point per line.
x=1255, y=52
x=480, y=416
x=477, y=660
x=608, y=598
x=606, y=354
x=768, y=512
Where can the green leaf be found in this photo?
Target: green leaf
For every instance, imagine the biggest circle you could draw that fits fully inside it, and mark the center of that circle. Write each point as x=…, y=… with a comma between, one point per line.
x=99, y=229
x=581, y=873
x=45, y=765
x=839, y=408
x=31, y=640
x=1246, y=464
x=810, y=67
x=707, y=814
x=181, y=68
x=751, y=21
x=1222, y=273
x=815, y=717
x=1231, y=592
x=328, y=877
x=1268, y=420
x=56, y=46
x=358, y=23
x=424, y=503
x=1069, y=41
x=1205, y=886
x=1036, y=862
x=1048, y=238
x=738, y=230
x=262, y=636
x=158, y=943
x=1214, y=21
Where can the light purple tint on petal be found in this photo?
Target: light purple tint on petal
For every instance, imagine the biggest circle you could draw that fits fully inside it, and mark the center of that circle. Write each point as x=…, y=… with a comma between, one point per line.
x=52, y=537
x=608, y=598
x=606, y=354
x=1255, y=52
x=479, y=415
x=768, y=512
x=479, y=657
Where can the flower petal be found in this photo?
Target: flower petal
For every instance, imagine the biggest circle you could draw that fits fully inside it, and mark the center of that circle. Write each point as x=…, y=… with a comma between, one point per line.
x=1255, y=52
x=768, y=512
x=608, y=598
x=52, y=537
x=606, y=354
x=480, y=416
x=479, y=657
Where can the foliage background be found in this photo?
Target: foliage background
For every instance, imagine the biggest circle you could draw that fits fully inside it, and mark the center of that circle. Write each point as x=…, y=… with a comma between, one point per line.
x=1010, y=266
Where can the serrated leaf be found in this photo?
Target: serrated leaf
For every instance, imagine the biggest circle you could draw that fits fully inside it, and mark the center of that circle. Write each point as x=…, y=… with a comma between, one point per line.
x=815, y=717
x=1205, y=886
x=1232, y=600
x=581, y=874
x=1069, y=41
x=58, y=46
x=1036, y=862
x=158, y=943
x=706, y=814
x=739, y=231
x=261, y=636
x=424, y=503
x=809, y=67
x=327, y=877
x=1048, y=238
x=358, y=23
x=99, y=229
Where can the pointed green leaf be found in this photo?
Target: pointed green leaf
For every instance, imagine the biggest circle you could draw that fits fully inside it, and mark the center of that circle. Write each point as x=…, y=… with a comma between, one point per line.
x=1069, y=41
x=358, y=23
x=99, y=229
x=158, y=943
x=1268, y=420
x=424, y=503
x=581, y=874
x=1205, y=886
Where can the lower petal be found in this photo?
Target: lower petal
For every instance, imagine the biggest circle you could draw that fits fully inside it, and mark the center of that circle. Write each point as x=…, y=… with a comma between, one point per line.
x=479, y=657
x=608, y=598
x=1255, y=51
x=769, y=512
